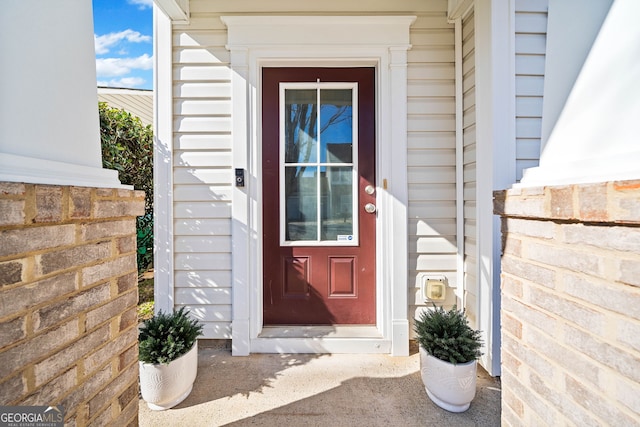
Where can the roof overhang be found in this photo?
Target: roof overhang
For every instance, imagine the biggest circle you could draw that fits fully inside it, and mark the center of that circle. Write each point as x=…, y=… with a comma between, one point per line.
x=176, y=10
x=457, y=8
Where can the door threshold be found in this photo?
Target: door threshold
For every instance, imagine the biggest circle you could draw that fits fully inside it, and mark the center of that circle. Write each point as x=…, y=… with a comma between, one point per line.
x=329, y=331
x=353, y=339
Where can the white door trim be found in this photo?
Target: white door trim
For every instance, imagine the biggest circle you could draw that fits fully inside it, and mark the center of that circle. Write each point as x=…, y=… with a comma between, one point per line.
x=348, y=41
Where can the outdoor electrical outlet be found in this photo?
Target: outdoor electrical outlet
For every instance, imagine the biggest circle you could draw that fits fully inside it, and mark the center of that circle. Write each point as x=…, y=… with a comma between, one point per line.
x=434, y=288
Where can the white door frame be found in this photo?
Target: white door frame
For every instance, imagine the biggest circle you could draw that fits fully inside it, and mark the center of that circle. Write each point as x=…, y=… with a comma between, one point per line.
x=311, y=41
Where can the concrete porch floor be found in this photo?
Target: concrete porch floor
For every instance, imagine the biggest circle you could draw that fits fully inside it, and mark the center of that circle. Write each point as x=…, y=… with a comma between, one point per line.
x=317, y=390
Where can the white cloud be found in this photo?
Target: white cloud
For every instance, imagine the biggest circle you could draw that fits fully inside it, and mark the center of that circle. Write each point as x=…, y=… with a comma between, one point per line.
x=128, y=82
x=112, y=67
x=105, y=42
x=142, y=4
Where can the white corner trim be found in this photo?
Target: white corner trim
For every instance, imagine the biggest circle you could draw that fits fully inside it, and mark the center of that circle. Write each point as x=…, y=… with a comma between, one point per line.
x=315, y=41
x=495, y=157
x=460, y=287
x=15, y=168
x=163, y=164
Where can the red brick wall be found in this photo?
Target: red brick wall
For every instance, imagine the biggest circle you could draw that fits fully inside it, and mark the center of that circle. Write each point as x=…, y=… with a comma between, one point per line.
x=571, y=305
x=68, y=296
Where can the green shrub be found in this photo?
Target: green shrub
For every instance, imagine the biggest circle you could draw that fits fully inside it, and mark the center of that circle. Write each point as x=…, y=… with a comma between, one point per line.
x=144, y=234
x=127, y=146
x=165, y=337
x=446, y=335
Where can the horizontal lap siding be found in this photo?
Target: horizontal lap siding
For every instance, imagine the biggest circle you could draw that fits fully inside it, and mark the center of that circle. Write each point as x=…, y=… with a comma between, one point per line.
x=431, y=152
x=530, y=47
x=469, y=166
x=202, y=173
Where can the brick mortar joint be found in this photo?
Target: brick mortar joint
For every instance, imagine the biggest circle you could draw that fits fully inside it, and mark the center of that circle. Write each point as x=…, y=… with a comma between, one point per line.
x=609, y=340
x=76, y=244
x=31, y=310
x=585, y=248
x=64, y=195
x=68, y=221
x=568, y=221
x=560, y=294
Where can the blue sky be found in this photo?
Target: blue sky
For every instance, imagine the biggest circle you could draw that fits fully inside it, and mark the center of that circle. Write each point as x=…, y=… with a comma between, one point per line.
x=123, y=39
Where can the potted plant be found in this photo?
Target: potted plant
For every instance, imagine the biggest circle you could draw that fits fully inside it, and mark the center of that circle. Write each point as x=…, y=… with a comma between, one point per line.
x=449, y=350
x=168, y=358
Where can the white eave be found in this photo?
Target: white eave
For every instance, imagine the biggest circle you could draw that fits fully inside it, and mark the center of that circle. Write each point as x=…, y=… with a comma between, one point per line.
x=176, y=10
x=457, y=8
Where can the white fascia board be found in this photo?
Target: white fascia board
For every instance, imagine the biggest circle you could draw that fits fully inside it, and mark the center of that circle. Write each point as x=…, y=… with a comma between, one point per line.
x=176, y=10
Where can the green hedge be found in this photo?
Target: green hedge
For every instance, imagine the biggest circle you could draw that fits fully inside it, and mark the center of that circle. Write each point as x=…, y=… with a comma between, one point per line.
x=127, y=146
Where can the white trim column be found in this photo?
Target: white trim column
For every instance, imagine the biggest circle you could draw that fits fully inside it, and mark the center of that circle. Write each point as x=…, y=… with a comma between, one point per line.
x=399, y=201
x=163, y=163
x=240, y=238
x=495, y=121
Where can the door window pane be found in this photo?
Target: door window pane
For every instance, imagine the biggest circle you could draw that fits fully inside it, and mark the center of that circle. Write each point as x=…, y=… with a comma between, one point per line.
x=301, y=206
x=336, y=125
x=337, y=203
x=317, y=170
x=301, y=125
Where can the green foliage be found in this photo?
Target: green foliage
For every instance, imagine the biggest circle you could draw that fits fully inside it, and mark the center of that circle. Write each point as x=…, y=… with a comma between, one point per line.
x=446, y=335
x=144, y=228
x=145, y=310
x=165, y=337
x=127, y=146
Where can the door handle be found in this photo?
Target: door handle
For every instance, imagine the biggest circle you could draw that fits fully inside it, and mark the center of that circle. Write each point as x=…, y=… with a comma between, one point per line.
x=370, y=208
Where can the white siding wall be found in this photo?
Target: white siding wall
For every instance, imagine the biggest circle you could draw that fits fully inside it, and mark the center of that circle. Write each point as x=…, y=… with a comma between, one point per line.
x=203, y=161
x=202, y=173
x=530, y=46
x=431, y=156
x=469, y=167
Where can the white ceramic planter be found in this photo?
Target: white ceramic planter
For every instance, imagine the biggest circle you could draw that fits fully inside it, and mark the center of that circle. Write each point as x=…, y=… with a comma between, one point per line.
x=164, y=386
x=451, y=387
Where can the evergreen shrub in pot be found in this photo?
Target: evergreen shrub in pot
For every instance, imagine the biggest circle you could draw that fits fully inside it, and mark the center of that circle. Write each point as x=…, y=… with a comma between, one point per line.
x=449, y=350
x=168, y=358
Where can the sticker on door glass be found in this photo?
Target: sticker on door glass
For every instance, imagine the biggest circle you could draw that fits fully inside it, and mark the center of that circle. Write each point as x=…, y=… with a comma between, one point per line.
x=345, y=237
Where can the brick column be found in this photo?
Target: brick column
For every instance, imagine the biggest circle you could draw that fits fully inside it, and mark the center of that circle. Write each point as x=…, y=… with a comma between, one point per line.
x=68, y=296
x=571, y=304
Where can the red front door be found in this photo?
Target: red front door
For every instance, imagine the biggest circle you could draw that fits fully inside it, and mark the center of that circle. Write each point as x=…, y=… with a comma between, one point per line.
x=318, y=174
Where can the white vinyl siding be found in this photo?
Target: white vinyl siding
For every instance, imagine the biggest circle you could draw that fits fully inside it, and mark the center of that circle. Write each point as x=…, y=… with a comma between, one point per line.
x=431, y=153
x=530, y=48
x=469, y=167
x=202, y=173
